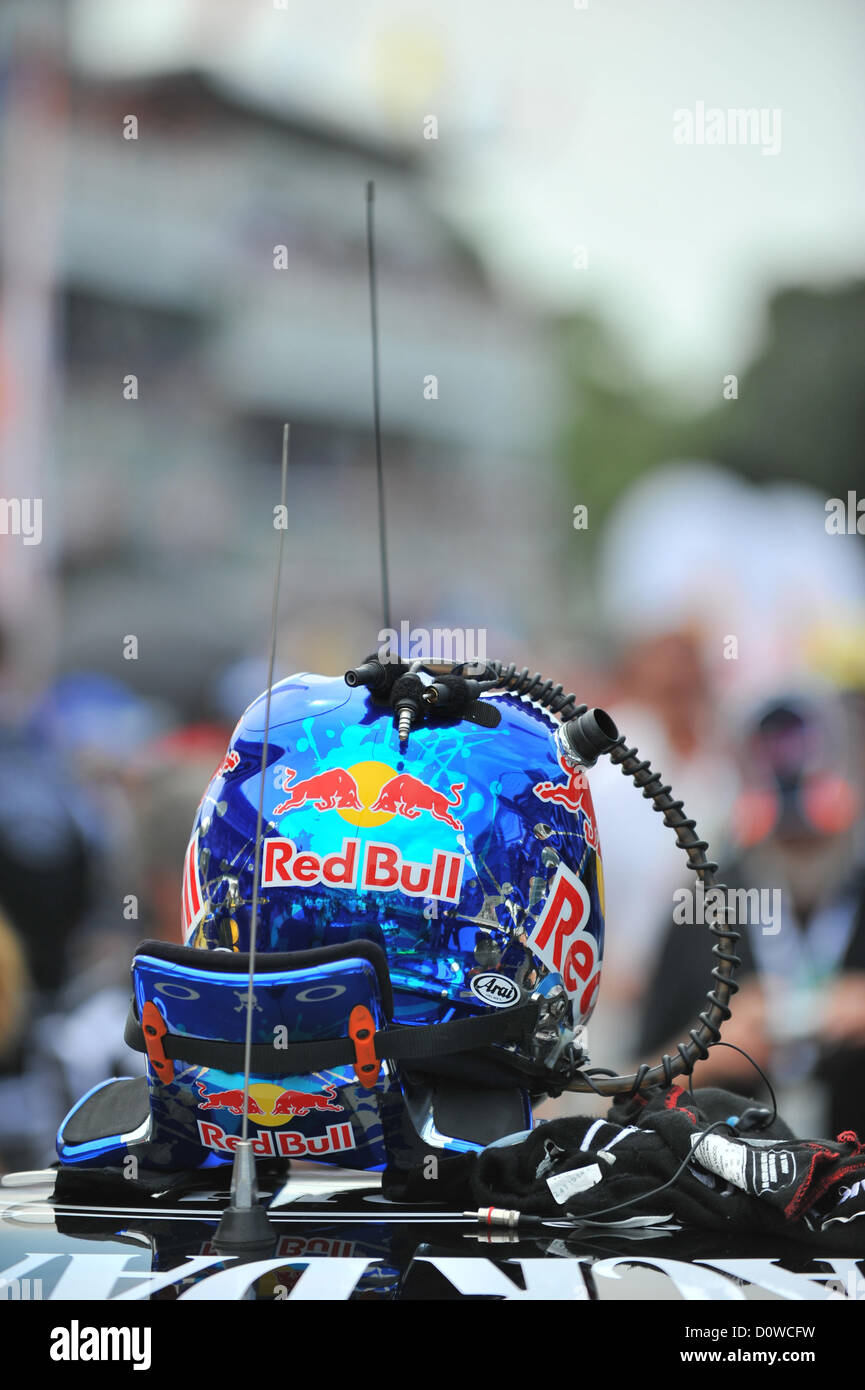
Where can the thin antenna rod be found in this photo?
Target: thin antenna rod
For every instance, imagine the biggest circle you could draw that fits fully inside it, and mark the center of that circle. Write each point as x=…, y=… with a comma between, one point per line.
x=376, y=400
x=256, y=876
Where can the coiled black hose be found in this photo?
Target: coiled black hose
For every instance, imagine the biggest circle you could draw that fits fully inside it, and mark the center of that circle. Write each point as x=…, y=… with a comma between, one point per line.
x=717, y=1010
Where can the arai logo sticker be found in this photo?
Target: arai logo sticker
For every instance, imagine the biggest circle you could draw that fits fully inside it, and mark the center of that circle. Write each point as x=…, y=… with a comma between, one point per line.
x=497, y=990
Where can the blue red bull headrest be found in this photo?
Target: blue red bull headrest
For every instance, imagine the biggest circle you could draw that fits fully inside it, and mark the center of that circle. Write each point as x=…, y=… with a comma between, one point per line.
x=189, y=1014
x=321, y=1091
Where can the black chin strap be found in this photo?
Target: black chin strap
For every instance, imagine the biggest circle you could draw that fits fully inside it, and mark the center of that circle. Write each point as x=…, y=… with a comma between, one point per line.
x=390, y=1044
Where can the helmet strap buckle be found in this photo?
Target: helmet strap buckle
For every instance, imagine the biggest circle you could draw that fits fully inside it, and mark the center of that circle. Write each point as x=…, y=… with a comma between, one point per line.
x=361, y=1030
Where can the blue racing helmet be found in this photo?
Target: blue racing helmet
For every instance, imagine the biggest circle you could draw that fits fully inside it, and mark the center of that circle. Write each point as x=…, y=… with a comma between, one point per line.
x=429, y=939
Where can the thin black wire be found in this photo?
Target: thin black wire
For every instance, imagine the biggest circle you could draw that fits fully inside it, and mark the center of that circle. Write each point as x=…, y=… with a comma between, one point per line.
x=757, y=1068
x=376, y=397
x=598, y=1071
x=256, y=873
x=642, y=1196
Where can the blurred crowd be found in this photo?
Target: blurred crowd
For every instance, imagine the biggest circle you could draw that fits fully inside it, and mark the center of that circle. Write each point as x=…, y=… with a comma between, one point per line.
x=183, y=266
x=99, y=790
x=757, y=722
x=741, y=677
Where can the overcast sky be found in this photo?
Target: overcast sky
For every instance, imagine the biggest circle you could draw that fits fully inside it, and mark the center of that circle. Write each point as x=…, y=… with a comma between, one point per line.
x=555, y=128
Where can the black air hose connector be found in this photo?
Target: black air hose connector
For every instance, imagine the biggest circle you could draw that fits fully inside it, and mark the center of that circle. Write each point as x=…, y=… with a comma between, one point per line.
x=378, y=676
x=589, y=735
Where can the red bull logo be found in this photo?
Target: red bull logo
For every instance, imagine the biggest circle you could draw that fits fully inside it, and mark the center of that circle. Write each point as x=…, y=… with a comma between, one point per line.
x=295, y=1247
x=192, y=909
x=227, y=1100
x=375, y=866
x=269, y=1104
x=560, y=940
x=283, y=1143
x=574, y=795
x=302, y=1102
x=326, y=791
x=408, y=796
x=370, y=793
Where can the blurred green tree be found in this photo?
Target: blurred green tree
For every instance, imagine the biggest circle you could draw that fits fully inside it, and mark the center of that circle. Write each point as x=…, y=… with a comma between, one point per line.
x=801, y=407
x=616, y=427
x=800, y=411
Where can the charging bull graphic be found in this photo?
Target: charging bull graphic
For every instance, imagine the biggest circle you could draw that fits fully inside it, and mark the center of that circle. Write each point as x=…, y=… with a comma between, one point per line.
x=302, y=1102
x=573, y=794
x=227, y=1100
x=407, y=796
x=333, y=790
x=287, y=1103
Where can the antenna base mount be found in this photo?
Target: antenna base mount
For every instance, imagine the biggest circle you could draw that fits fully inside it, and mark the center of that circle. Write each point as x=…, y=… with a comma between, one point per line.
x=244, y=1224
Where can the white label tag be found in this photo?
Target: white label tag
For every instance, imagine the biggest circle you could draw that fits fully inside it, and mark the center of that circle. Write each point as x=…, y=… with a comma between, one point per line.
x=565, y=1185
x=724, y=1157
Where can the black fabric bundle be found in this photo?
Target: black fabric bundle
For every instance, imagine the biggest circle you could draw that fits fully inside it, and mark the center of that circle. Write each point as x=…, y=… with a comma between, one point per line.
x=758, y=1181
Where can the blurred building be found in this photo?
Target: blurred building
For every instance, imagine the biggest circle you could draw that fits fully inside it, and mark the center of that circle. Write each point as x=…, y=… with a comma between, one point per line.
x=211, y=282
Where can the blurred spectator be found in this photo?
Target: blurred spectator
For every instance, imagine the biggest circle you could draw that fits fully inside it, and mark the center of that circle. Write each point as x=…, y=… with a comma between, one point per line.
x=168, y=782
x=94, y=823
x=46, y=884
x=800, y=1012
x=665, y=705
x=751, y=569
x=96, y=726
x=712, y=590
x=14, y=990
x=165, y=784
x=46, y=891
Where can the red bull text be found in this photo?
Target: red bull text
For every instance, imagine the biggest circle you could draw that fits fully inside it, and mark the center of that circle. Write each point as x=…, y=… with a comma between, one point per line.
x=379, y=868
x=280, y=1143
x=561, y=942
